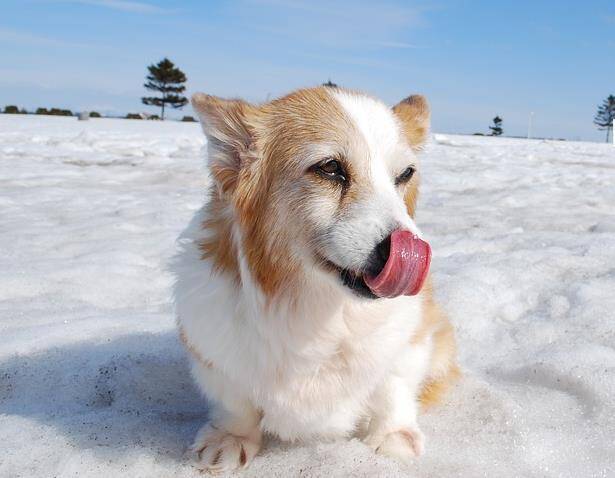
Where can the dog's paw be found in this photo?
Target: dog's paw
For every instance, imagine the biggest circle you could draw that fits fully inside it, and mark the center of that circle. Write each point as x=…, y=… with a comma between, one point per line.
x=216, y=450
x=403, y=445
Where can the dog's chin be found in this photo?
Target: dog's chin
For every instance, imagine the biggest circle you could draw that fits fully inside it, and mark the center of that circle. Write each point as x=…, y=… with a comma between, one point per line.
x=350, y=279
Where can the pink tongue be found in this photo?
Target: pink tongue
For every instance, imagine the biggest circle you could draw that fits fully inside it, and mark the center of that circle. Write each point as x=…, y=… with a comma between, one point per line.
x=405, y=269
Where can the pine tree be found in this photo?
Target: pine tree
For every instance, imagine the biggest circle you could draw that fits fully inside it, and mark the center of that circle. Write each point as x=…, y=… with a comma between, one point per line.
x=605, y=115
x=167, y=79
x=496, y=129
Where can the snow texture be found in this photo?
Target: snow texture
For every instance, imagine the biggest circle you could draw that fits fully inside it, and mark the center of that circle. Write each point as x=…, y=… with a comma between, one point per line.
x=93, y=381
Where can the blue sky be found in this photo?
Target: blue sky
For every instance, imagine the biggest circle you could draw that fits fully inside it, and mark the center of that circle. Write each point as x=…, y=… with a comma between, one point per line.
x=472, y=59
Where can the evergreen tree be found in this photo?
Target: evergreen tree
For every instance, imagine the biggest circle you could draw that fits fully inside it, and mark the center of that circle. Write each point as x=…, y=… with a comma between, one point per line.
x=330, y=84
x=496, y=129
x=167, y=79
x=605, y=115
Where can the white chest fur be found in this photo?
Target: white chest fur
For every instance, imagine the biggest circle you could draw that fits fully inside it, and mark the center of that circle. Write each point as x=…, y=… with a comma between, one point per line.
x=310, y=371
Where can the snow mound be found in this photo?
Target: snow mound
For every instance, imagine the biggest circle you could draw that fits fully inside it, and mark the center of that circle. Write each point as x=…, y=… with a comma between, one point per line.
x=93, y=380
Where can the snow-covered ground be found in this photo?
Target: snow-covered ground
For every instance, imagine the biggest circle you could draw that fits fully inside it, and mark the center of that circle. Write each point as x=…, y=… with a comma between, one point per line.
x=93, y=381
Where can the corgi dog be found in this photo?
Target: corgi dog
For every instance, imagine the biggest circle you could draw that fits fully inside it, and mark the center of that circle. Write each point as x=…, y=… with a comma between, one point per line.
x=302, y=289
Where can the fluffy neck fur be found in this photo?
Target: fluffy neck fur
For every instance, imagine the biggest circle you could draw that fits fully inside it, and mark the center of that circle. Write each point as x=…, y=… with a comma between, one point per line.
x=302, y=292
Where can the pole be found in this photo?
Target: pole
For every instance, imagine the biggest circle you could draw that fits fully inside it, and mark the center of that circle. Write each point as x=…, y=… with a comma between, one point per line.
x=529, y=126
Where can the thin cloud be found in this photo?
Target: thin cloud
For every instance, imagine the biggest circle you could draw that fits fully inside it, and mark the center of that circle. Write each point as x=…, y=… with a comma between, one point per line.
x=395, y=44
x=341, y=25
x=17, y=37
x=124, y=6
x=351, y=60
x=368, y=12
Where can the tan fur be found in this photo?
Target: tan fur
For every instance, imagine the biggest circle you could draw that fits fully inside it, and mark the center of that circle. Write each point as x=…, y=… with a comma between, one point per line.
x=220, y=251
x=443, y=370
x=414, y=115
x=226, y=123
x=282, y=128
x=411, y=196
x=413, y=112
x=266, y=142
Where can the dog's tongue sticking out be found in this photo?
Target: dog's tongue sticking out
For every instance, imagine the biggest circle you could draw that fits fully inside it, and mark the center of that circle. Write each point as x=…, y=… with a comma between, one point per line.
x=405, y=269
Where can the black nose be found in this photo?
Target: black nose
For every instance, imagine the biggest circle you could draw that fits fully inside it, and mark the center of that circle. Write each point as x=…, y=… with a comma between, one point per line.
x=378, y=257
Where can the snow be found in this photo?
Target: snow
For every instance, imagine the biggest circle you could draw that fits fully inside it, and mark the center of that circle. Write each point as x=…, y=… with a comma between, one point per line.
x=93, y=381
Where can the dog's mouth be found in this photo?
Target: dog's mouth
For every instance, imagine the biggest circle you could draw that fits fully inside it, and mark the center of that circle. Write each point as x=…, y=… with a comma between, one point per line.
x=399, y=266
x=351, y=279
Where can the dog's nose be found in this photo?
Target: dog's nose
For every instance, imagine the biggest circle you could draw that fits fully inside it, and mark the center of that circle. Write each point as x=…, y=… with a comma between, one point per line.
x=378, y=257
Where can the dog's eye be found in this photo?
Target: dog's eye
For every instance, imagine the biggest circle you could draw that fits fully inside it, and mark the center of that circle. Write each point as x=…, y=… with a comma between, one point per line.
x=405, y=176
x=331, y=169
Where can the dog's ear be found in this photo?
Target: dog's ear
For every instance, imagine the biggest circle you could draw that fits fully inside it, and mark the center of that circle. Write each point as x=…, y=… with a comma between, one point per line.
x=413, y=112
x=229, y=136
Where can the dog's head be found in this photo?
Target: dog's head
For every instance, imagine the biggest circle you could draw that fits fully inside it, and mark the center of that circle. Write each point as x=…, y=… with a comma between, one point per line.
x=319, y=184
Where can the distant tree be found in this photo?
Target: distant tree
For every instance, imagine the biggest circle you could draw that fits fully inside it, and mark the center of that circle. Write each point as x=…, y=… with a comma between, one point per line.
x=23, y=111
x=169, y=80
x=11, y=110
x=154, y=117
x=95, y=114
x=605, y=115
x=60, y=112
x=53, y=111
x=496, y=129
x=330, y=84
x=188, y=119
x=133, y=116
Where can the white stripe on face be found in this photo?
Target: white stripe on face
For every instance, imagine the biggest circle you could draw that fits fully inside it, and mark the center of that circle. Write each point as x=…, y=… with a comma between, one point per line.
x=387, y=155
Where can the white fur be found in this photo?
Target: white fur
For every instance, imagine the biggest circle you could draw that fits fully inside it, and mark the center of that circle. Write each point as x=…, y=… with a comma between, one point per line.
x=381, y=209
x=325, y=366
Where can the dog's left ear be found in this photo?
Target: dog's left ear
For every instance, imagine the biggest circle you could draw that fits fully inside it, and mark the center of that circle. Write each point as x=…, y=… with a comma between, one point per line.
x=413, y=112
x=230, y=137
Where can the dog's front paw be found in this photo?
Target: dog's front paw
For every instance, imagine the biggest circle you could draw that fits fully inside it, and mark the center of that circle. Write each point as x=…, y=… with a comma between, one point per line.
x=403, y=445
x=216, y=450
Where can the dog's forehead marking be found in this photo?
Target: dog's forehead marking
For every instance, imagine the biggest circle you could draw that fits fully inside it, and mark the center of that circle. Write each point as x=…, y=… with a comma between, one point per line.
x=375, y=121
x=304, y=125
x=387, y=153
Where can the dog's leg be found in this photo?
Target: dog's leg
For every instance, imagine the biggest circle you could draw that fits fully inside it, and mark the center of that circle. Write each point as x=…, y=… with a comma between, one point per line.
x=393, y=428
x=232, y=438
x=443, y=368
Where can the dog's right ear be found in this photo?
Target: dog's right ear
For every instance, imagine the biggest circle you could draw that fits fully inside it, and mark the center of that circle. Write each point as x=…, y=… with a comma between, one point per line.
x=414, y=115
x=229, y=136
